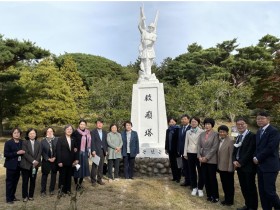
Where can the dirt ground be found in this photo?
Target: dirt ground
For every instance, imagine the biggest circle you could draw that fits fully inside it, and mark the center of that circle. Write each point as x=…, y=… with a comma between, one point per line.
x=140, y=193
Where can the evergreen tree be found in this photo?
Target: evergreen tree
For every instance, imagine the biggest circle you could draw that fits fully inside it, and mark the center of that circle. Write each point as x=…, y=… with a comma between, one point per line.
x=220, y=99
x=48, y=99
x=11, y=95
x=182, y=99
x=72, y=77
x=13, y=51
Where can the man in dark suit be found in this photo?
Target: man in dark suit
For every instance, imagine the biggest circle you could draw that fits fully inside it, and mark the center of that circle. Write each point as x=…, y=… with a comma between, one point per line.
x=185, y=119
x=99, y=148
x=243, y=152
x=267, y=161
x=171, y=141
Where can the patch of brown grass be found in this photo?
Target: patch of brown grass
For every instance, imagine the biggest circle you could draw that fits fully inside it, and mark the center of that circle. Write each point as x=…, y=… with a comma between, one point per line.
x=140, y=193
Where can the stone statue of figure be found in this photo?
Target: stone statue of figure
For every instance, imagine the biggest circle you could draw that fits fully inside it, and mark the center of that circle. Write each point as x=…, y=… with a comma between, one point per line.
x=146, y=48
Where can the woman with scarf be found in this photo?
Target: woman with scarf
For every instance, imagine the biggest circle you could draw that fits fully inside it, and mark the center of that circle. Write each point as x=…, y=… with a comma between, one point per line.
x=171, y=141
x=190, y=153
x=48, y=145
x=83, y=145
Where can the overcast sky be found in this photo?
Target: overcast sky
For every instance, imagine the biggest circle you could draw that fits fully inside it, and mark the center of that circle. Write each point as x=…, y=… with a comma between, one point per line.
x=109, y=29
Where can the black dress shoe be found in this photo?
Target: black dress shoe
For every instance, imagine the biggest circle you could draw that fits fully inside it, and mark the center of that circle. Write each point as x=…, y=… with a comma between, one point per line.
x=185, y=184
x=223, y=203
x=215, y=200
x=10, y=202
x=209, y=198
x=242, y=208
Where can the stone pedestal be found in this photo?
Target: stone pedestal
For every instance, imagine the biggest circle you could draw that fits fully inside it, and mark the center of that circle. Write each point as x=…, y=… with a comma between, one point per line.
x=148, y=116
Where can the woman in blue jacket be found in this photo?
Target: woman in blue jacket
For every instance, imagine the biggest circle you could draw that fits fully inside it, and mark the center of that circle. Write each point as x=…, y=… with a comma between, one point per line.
x=130, y=149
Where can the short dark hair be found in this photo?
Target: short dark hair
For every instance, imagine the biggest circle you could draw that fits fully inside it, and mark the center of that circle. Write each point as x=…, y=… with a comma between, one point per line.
x=99, y=120
x=263, y=114
x=127, y=122
x=82, y=120
x=185, y=115
x=114, y=124
x=28, y=131
x=13, y=130
x=45, y=132
x=67, y=126
x=223, y=128
x=241, y=119
x=171, y=118
x=209, y=120
x=196, y=119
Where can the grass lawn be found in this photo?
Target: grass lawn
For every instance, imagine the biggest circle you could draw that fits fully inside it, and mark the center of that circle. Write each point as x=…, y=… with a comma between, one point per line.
x=140, y=193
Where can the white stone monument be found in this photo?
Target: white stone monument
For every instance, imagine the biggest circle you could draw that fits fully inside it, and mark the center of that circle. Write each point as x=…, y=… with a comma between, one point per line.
x=148, y=112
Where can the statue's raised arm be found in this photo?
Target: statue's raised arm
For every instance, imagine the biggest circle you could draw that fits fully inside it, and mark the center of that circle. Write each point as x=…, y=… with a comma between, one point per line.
x=142, y=24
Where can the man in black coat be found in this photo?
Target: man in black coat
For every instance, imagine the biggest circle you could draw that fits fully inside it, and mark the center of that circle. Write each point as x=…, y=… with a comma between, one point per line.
x=181, y=146
x=171, y=141
x=99, y=148
x=243, y=152
x=267, y=160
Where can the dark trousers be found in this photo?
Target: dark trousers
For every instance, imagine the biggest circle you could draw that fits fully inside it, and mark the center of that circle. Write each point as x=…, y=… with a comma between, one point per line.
x=227, y=179
x=176, y=172
x=65, y=176
x=26, y=176
x=248, y=188
x=267, y=190
x=97, y=170
x=194, y=169
x=185, y=171
x=80, y=180
x=44, y=179
x=128, y=166
x=12, y=177
x=116, y=163
x=209, y=176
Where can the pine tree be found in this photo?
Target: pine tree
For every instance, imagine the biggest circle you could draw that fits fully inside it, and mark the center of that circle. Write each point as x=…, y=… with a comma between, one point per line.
x=48, y=99
x=72, y=77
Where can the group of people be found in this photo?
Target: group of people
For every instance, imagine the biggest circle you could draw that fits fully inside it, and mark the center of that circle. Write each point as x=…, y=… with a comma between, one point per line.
x=198, y=154
x=69, y=155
